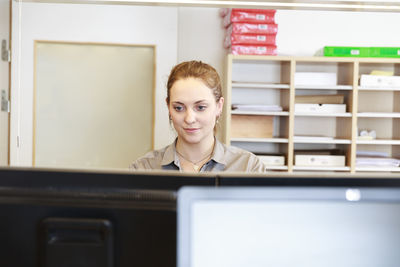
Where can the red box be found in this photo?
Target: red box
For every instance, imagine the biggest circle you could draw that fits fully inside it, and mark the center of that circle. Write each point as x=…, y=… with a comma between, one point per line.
x=254, y=50
x=260, y=16
x=252, y=28
x=254, y=39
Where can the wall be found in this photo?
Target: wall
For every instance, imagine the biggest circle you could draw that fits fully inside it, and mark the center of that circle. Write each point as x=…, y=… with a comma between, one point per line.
x=304, y=32
x=86, y=23
x=180, y=34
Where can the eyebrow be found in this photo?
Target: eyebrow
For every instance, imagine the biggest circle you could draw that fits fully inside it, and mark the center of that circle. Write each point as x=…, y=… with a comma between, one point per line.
x=197, y=102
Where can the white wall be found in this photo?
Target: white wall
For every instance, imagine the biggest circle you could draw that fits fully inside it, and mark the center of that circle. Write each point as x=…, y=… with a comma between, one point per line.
x=180, y=34
x=86, y=23
x=200, y=36
x=304, y=32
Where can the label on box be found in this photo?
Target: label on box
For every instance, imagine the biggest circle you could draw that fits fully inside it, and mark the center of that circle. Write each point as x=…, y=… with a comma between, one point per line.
x=320, y=160
x=320, y=108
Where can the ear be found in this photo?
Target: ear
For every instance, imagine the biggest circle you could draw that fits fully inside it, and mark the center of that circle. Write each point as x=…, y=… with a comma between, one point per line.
x=220, y=105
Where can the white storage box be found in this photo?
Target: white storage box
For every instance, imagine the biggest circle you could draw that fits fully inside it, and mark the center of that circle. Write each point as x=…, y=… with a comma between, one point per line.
x=272, y=160
x=315, y=78
x=320, y=160
x=379, y=81
x=320, y=108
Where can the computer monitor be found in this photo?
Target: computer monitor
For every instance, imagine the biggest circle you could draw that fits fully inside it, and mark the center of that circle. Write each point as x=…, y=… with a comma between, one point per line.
x=288, y=226
x=89, y=218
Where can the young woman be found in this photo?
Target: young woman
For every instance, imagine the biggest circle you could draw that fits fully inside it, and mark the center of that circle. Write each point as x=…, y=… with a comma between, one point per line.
x=195, y=102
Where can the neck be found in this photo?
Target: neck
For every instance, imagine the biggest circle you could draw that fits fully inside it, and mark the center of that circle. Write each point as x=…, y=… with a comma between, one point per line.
x=195, y=152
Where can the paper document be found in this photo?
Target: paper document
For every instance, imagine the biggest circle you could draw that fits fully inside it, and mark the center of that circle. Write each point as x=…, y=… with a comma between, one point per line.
x=248, y=107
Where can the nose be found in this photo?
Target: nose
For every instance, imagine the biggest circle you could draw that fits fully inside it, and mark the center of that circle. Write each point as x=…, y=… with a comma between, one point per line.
x=190, y=116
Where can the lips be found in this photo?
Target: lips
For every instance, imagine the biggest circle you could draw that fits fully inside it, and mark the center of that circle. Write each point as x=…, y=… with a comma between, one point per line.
x=191, y=130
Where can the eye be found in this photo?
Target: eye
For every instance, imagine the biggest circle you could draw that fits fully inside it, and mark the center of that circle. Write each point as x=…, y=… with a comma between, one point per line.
x=178, y=108
x=201, y=107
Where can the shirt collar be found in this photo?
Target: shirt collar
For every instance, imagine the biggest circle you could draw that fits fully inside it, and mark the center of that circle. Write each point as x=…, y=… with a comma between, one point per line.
x=219, y=153
x=170, y=155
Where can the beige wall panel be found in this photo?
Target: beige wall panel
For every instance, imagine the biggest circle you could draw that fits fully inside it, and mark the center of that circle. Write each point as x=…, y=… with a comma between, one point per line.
x=93, y=104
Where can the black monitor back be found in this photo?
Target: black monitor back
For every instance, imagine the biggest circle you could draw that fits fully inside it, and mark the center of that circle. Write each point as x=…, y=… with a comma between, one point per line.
x=83, y=218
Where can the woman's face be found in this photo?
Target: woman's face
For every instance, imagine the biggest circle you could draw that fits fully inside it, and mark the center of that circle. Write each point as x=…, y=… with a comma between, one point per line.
x=193, y=110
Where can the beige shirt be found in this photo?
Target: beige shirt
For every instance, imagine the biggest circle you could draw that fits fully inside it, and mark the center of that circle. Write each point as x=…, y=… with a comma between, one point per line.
x=224, y=158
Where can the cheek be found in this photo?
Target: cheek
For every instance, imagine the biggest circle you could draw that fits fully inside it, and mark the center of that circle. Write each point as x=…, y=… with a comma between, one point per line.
x=175, y=117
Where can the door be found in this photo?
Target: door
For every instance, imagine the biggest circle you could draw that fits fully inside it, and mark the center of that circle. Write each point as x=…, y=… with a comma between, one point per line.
x=93, y=104
x=4, y=80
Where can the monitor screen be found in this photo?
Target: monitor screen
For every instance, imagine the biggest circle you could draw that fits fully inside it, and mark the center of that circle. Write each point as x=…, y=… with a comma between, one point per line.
x=288, y=226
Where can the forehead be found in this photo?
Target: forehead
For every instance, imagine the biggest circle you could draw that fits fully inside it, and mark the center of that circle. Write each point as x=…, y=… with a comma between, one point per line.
x=190, y=90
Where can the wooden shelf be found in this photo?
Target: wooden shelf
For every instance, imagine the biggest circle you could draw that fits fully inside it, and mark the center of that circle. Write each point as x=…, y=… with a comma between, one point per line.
x=315, y=114
x=260, y=140
x=378, y=142
x=280, y=168
x=332, y=141
x=367, y=88
x=378, y=114
x=259, y=85
x=326, y=87
x=322, y=168
x=378, y=169
x=372, y=108
x=269, y=113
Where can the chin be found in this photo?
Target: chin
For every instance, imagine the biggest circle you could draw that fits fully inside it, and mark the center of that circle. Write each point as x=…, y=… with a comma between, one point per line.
x=191, y=139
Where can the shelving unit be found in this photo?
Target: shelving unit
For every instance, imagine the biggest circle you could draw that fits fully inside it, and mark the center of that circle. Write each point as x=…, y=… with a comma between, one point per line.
x=270, y=80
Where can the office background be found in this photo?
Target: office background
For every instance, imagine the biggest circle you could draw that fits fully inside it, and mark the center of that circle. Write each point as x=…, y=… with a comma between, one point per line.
x=179, y=33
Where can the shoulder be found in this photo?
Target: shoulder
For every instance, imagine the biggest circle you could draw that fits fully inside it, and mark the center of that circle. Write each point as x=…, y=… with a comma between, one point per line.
x=238, y=159
x=236, y=152
x=150, y=161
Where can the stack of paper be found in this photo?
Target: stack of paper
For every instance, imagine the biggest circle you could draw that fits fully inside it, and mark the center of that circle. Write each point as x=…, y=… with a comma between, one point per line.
x=249, y=107
x=380, y=162
x=375, y=158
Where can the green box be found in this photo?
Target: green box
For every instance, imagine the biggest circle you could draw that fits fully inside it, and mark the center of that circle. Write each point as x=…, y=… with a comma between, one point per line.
x=346, y=51
x=350, y=51
x=384, y=52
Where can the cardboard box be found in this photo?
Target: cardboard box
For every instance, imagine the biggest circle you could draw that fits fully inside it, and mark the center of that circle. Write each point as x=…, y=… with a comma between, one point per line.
x=319, y=99
x=320, y=108
x=379, y=81
x=272, y=160
x=315, y=78
x=252, y=126
x=320, y=160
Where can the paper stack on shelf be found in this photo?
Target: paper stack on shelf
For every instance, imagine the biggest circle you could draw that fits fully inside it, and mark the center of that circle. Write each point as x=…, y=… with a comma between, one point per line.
x=378, y=162
x=261, y=108
x=375, y=159
x=250, y=31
